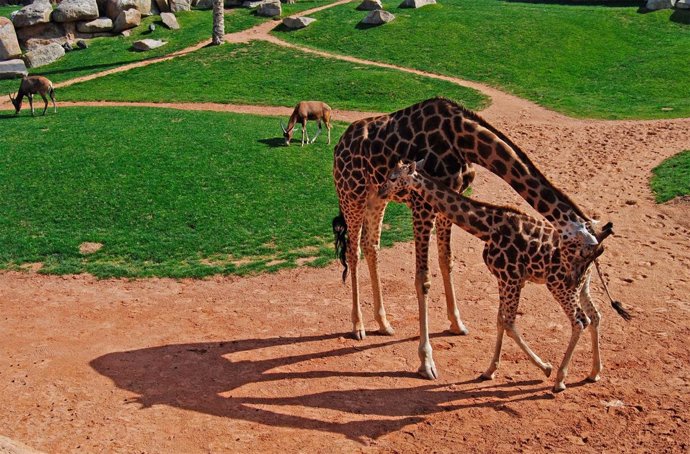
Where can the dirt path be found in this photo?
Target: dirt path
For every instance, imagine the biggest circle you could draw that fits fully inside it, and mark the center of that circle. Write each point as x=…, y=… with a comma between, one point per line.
x=264, y=363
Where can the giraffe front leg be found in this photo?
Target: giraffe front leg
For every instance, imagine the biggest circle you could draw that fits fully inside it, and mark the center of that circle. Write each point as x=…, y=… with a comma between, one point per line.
x=371, y=234
x=358, y=330
x=423, y=219
x=490, y=373
x=445, y=261
x=595, y=318
x=579, y=322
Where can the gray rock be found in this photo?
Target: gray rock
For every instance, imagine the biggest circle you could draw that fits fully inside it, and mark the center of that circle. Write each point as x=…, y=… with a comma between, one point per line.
x=683, y=4
x=252, y=3
x=378, y=17
x=370, y=5
x=115, y=7
x=180, y=5
x=152, y=28
x=35, y=13
x=9, y=69
x=42, y=34
x=81, y=44
x=9, y=45
x=269, y=9
x=44, y=55
x=126, y=20
x=204, y=4
x=417, y=3
x=170, y=21
x=654, y=5
x=148, y=44
x=294, y=23
x=76, y=10
x=67, y=46
x=163, y=6
x=102, y=24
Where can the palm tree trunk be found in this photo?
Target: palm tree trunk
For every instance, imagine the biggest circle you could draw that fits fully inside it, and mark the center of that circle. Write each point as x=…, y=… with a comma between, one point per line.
x=218, y=37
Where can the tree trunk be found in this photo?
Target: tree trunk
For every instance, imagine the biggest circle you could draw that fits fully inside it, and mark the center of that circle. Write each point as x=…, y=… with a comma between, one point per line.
x=218, y=37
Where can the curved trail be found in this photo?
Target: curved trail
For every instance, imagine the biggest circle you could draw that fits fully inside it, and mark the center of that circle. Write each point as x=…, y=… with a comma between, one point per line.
x=261, y=363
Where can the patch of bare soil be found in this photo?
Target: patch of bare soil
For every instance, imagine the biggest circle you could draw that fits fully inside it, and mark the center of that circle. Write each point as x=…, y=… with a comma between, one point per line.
x=266, y=362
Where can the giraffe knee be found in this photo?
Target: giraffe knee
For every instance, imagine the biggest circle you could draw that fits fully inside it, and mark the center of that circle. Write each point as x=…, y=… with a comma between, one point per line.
x=422, y=281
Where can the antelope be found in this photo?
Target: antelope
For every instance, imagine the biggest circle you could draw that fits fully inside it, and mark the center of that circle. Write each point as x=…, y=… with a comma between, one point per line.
x=308, y=110
x=29, y=87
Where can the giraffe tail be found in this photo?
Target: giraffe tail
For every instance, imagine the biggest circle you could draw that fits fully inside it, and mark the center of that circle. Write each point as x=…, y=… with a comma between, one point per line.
x=615, y=304
x=340, y=234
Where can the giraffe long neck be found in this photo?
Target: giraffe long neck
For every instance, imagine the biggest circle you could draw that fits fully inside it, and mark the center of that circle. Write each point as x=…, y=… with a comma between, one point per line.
x=484, y=145
x=476, y=218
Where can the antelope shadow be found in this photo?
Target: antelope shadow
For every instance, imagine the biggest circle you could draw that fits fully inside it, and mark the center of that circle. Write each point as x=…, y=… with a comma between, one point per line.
x=202, y=376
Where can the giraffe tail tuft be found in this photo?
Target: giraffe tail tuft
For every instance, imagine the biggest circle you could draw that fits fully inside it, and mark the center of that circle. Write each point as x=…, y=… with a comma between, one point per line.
x=340, y=234
x=618, y=307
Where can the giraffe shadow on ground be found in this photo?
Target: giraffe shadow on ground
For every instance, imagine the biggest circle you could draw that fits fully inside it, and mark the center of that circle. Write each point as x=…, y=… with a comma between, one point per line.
x=215, y=378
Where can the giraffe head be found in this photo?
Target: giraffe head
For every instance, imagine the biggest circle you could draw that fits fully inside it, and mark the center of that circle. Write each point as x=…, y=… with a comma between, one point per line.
x=287, y=133
x=399, y=179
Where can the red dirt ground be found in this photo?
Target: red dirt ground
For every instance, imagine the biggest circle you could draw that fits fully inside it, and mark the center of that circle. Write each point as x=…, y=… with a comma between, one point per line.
x=266, y=363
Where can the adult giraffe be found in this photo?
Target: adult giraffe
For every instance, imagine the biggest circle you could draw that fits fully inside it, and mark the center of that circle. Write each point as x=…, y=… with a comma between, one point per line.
x=449, y=138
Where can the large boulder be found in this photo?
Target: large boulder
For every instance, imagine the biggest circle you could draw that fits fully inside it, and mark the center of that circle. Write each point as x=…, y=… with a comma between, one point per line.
x=269, y=9
x=44, y=55
x=9, y=45
x=294, y=23
x=170, y=21
x=204, y=4
x=148, y=44
x=163, y=6
x=683, y=4
x=370, y=5
x=252, y=3
x=36, y=13
x=10, y=69
x=378, y=17
x=100, y=25
x=42, y=34
x=127, y=19
x=75, y=10
x=145, y=7
x=416, y=3
x=180, y=5
x=654, y=5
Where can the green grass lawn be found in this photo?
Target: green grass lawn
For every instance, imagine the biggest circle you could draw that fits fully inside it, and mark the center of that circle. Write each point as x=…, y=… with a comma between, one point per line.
x=263, y=73
x=7, y=10
x=167, y=193
x=243, y=18
x=585, y=61
x=672, y=178
x=106, y=53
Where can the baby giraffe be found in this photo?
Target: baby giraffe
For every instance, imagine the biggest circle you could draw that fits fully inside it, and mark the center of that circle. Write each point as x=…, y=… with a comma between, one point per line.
x=519, y=248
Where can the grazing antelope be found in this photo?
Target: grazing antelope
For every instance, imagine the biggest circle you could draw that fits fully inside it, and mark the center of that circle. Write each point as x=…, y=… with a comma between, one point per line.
x=519, y=248
x=308, y=110
x=29, y=87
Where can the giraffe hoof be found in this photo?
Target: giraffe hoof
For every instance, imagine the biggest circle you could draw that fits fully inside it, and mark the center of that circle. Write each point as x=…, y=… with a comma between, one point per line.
x=428, y=371
x=386, y=330
x=559, y=387
x=548, y=369
x=359, y=334
x=459, y=330
x=486, y=376
x=593, y=378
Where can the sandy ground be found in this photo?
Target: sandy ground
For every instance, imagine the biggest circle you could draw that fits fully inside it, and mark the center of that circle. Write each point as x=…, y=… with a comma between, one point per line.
x=266, y=363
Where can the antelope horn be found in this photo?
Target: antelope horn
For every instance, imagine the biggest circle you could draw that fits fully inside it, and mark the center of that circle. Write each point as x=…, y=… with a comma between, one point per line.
x=283, y=127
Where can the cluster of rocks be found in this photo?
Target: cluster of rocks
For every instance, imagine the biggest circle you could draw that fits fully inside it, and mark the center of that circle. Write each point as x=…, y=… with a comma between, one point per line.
x=653, y=5
x=377, y=16
x=39, y=34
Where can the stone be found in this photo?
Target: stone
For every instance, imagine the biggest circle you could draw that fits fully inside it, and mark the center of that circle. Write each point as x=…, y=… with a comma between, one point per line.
x=43, y=34
x=100, y=25
x=126, y=20
x=683, y=4
x=44, y=55
x=252, y=3
x=36, y=13
x=126, y=33
x=148, y=44
x=416, y=3
x=81, y=44
x=269, y=9
x=10, y=69
x=9, y=45
x=170, y=21
x=294, y=23
x=163, y=6
x=180, y=5
x=378, y=17
x=115, y=7
x=67, y=46
x=204, y=4
x=152, y=28
x=370, y=5
x=75, y=10
x=654, y=5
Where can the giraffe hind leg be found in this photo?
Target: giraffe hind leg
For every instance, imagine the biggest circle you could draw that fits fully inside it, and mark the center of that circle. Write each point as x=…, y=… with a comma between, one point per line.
x=445, y=260
x=578, y=322
x=595, y=318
